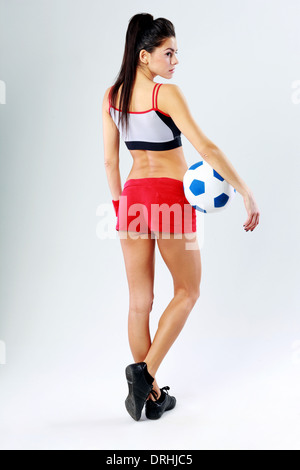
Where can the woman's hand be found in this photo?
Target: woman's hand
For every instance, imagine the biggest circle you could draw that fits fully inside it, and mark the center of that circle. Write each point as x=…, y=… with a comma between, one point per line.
x=253, y=212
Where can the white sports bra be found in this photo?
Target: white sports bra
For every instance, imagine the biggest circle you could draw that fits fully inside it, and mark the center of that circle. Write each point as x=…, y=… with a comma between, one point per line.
x=149, y=130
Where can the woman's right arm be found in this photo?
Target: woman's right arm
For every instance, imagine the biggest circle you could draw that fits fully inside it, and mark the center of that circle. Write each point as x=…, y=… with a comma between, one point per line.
x=176, y=105
x=111, y=141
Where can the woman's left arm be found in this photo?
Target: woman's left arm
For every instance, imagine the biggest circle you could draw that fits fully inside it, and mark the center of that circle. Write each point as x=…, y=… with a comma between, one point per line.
x=176, y=105
x=111, y=141
x=218, y=160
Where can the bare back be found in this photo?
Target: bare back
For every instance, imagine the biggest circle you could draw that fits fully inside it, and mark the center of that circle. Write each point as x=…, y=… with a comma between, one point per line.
x=149, y=163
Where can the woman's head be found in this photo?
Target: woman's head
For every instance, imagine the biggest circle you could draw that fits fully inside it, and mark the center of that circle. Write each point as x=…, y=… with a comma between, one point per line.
x=150, y=46
x=162, y=60
x=148, y=39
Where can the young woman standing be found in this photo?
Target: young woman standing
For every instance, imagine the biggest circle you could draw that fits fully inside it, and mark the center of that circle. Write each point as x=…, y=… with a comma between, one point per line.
x=150, y=117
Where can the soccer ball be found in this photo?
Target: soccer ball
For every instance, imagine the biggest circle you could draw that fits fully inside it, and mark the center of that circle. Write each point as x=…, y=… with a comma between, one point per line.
x=205, y=189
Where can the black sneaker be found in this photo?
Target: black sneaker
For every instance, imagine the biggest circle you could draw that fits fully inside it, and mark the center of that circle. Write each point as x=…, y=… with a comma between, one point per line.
x=155, y=409
x=139, y=385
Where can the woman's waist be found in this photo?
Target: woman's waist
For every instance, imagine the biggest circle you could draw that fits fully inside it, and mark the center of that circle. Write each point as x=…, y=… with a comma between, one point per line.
x=162, y=167
x=153, y=180
x=146, y=174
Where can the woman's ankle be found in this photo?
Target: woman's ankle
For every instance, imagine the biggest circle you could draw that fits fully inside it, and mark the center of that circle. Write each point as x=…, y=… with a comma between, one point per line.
x=150, y=370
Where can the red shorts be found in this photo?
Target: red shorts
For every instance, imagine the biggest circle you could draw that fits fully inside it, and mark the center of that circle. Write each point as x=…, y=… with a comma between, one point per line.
x=157, y=205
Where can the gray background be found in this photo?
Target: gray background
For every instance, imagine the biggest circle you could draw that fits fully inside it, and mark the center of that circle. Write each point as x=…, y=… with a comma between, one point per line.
x=235, y=369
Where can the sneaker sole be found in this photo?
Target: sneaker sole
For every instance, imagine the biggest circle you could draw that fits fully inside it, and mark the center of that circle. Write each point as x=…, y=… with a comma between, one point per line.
x=130, y=404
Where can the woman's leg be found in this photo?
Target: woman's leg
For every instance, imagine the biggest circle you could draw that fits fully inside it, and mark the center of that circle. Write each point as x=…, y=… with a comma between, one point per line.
x=185, y=268
x=139, y=257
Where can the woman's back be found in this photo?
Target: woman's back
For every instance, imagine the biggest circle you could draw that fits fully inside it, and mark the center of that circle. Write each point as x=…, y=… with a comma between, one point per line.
x=153, y=139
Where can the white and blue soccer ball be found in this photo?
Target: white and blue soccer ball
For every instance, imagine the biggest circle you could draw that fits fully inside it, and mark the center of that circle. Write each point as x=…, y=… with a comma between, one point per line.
x=205, y=189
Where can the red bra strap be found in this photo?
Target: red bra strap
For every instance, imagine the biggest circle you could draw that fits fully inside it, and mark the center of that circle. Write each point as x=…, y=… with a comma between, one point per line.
x=156, y=93
x=153, y=92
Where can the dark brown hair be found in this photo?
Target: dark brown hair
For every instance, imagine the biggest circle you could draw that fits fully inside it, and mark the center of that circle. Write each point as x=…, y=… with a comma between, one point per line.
x=143, y=32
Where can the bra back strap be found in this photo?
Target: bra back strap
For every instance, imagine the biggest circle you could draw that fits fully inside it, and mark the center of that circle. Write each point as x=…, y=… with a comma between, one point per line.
x=156, y=93
x=153, y=93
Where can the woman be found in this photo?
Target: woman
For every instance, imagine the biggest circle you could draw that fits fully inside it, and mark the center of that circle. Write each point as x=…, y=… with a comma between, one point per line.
x=150, y=118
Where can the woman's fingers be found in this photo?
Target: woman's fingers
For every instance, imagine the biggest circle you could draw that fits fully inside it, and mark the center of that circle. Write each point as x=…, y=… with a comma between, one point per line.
x=253, y=212
x=253, y=222
x=248, y=222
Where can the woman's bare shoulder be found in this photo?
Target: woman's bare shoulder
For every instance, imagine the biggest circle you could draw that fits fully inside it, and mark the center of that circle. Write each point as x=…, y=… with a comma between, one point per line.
x=170, y=88
x=170, y=95
x=105, y=100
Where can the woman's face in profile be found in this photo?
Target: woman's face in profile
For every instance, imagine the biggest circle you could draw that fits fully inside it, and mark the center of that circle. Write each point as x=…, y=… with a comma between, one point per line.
x=162, y=60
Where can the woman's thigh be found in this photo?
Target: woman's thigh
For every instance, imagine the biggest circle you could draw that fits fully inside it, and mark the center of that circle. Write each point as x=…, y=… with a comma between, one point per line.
x=139, y=258
x=184, y=264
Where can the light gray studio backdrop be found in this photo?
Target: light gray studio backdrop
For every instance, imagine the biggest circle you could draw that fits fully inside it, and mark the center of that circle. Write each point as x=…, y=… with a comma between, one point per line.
x=235, y=369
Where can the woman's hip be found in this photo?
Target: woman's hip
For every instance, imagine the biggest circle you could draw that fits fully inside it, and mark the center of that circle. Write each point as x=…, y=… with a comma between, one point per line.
x=160, y=202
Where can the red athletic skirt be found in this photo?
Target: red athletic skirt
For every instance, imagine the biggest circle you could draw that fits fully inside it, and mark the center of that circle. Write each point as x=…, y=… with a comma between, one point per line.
x=157, y=205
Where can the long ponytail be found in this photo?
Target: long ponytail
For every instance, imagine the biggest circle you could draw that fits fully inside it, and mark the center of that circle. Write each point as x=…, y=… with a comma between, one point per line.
x=143, y=32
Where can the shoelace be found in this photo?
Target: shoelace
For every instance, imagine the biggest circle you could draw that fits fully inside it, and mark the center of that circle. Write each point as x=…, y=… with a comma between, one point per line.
x=154, y=394
x=165, y=389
